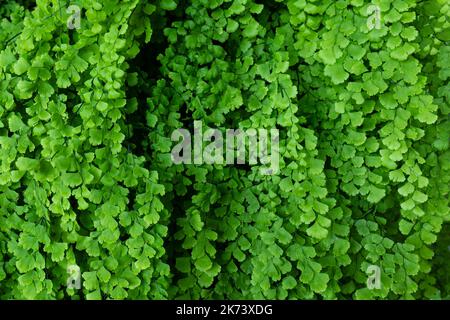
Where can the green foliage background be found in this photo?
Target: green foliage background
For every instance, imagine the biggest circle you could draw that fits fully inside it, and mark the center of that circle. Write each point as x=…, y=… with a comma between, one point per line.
x=86, y=178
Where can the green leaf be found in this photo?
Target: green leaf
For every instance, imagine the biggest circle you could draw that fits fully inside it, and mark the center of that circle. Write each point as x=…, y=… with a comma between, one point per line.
x=25, y=263
x=203, y=264
x=95, y=295
x=341, y=246
x=419, y=197
x=337, y=73
x=408, y=204
x=397, y=176
x=316, y=231
x=405, y=226
x=388, y=101
x=168, y=5
x=21, y=66
x=27, y=164
x=283, y=236
x=375, y=194
x=103, y=275
x=102, y=106
x=15, y=123
x=289, y=283
x=319, y=282
x=251, y=30
x=58, y=250
x=364, y=294
x=90, y=280
x=6, y=58
x=401, y=53
x=406, y=189
x=295, y=252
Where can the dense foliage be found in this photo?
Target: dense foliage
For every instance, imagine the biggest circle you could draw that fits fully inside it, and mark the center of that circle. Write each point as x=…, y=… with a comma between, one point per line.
x=86, y=177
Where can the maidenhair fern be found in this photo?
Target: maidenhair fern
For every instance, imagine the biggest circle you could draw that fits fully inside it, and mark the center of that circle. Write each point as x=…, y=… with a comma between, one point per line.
x=87, y=179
